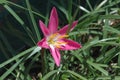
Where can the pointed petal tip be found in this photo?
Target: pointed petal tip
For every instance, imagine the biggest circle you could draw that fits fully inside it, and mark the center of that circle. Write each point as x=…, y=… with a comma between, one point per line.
x=57, y=65
x=43, y=28
x=40, y=21
x=53, y=21
x=75, y=22
x=80, y=46
x=65, y=28
x=53, y=8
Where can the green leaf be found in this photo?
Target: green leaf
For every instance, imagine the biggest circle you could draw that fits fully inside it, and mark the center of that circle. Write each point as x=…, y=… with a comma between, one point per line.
x=33, y=20
x=23, y=8
x=98, y=67
x=14, y=14
x=76, y=74
x=49, y=74
x=17, y=56
x=101, y=4
x=2, y=1
x=112, y=30
x=10, y=70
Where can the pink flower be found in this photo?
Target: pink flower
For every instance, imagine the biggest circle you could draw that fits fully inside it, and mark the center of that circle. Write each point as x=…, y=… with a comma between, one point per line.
x=56, y=40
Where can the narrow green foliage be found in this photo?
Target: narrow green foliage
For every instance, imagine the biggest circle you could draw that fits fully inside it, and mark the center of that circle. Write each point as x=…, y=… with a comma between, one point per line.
x=98, y=31
x=2, y=1
x=33, y=20
x=14, y=14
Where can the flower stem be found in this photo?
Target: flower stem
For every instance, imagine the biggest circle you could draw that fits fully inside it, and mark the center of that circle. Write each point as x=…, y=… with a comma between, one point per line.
x=43, y=61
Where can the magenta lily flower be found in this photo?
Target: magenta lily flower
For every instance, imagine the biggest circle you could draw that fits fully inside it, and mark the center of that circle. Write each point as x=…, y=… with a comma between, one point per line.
x=56, y=40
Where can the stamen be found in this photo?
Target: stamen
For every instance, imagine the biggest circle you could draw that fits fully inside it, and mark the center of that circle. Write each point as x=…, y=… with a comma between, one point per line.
x=63, y=36
x=59, y=43
x=53, y=36
x=55, y=40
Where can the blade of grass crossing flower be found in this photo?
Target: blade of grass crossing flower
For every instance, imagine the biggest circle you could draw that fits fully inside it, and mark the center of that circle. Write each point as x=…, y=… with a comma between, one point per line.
x=33, y=20
x=17, y=56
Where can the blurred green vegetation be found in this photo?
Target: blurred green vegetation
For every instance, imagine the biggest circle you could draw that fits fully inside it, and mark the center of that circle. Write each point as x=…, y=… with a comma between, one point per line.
x=98, y=31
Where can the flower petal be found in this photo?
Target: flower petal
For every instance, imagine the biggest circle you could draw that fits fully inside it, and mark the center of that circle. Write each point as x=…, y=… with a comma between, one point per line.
x=44, y=28
x=43, y=43
x=70, y=45
x=53, y=22
x=55, y=54
x=65, y=28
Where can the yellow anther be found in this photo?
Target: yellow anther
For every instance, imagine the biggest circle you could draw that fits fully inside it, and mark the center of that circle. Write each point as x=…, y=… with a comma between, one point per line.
x=55, y=40
x=59, y=43
x=63, y=36
x=53, y=36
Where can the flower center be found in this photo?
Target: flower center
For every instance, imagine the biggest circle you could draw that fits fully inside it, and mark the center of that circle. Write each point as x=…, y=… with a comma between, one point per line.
x=56, y=40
